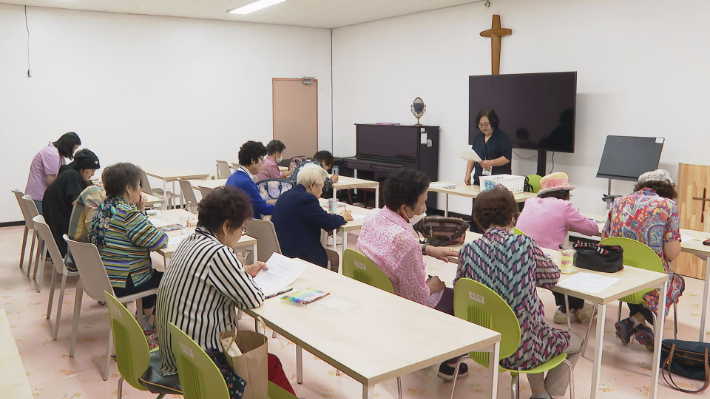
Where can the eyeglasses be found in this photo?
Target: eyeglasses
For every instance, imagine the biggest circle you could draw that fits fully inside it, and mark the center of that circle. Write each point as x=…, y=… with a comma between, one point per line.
x=483, y=125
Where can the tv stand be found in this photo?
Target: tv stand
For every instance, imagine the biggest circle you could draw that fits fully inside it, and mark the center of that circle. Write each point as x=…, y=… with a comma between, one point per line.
x=542, y=163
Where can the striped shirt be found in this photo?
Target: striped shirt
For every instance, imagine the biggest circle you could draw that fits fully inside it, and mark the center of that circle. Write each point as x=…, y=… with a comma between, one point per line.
x=128, y=241
x=199, y=292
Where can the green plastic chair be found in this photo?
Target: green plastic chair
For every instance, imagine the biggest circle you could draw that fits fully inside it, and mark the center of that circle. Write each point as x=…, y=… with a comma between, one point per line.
x=637, y=254
x=517, y=231
x=199, y=377
x=359, y=267
x=138, y=366
x=478, y=304
x=534, y=182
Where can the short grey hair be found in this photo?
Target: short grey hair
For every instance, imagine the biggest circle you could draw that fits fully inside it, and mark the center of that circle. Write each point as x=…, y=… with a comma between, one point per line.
x=311, y=174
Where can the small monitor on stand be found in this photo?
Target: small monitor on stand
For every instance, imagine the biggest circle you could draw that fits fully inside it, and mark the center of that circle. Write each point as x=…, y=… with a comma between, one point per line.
x=627, y=157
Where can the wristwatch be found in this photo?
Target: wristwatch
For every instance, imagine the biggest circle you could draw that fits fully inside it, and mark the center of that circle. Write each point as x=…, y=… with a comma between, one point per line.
x=424, y=249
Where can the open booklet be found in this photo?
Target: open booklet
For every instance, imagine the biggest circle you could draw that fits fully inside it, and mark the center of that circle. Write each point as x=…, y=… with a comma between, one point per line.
x=282, y=272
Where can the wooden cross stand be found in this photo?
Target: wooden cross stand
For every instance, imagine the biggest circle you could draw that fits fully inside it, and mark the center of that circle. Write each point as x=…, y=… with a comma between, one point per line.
x=496, y=33
x=704, y=200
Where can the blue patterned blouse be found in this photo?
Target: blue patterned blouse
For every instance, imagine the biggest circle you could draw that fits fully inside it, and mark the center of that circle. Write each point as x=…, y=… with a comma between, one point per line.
x=512, y=266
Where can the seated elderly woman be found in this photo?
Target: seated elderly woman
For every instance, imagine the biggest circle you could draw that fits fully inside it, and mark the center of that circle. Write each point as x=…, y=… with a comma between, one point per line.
x=650, y=216
x=206, y=281
x=388, y=240
x=299, y=218
x=60, y=196
x=547, y=219
x=125, y=237
x=512, y=266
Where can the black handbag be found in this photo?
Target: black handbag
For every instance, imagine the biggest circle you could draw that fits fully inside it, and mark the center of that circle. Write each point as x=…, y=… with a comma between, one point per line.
x=689, y=359
x=597, y=257
x=439, y=231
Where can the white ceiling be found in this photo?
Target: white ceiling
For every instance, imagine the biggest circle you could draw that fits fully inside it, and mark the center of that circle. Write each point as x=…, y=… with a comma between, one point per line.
x=310, y=13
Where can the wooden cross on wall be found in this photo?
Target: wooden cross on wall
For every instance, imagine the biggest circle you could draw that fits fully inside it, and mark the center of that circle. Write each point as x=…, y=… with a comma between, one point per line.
x=496, y=33
x=705, y=200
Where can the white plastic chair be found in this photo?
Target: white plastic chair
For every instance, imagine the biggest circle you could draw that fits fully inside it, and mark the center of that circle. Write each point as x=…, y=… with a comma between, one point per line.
x=18, y=195
x=189, y=194
x=94, y=280
x=205, y=191
x=59, y=268
x=223, y=171
x=265, y=234
x=157, y=192
x=32, y=211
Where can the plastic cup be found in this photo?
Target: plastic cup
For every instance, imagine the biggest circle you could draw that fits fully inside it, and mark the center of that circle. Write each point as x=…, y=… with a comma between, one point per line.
x=335, y=170
x=566, y=260
x=332, y=205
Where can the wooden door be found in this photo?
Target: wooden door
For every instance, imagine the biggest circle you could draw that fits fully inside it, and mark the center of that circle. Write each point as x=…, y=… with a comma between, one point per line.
x=693, y=183
x=296, y=116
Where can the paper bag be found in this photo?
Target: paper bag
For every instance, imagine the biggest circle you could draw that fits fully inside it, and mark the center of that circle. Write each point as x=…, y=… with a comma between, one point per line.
x=252, y=364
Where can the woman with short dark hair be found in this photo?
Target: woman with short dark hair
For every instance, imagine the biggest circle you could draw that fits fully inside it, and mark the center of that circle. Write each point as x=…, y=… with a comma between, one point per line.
x=650, y=216
x=45, y=165
x=251, y=160
x=388, y=240
x=59, y=198
x=125, y=237
x=492, y=145
x=274, y=155
x=512, y=266
x=206, y=281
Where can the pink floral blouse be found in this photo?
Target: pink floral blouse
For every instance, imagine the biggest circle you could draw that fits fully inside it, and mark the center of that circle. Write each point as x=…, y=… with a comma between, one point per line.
x=388, y=240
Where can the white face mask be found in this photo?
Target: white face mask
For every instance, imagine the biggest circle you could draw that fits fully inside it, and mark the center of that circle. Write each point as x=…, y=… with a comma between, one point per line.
x=416, y=218
x=279, y=159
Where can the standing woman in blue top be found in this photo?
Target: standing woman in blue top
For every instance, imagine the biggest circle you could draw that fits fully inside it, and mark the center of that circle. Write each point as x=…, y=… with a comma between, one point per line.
x=251, y=158
x=492, y=145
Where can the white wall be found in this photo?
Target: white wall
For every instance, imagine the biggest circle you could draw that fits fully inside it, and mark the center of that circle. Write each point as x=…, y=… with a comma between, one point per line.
x=155, y=91
x=643, y=70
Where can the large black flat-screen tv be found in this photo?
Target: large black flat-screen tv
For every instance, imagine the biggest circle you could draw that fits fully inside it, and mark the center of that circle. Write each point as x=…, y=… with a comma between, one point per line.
x=536, y=110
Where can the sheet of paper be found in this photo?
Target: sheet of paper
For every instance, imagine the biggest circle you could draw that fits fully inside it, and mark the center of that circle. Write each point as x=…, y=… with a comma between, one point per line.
x=469, y=155
x=442, y=185
x=175, y=240
x=686, y=238
x=282, y=273
x=357, y=216
x=333, y=305
x=158, y=222
x=587, y=282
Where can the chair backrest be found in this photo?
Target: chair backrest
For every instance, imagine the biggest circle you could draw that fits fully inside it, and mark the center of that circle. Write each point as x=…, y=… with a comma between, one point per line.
x=132, y=353
x=189, y=193
x=205, y=191
x=31, y=209
x=359, y=267
x=265, y=234
x=533, y=183
x=637, y=254
x=199, y=377
x=223, y=171
x=18, y=195
x=145, y=183
x=295, y=161
x=518, y=231
x=91, y=268
x=271, y=189
x=479, y=304
x=46, y=235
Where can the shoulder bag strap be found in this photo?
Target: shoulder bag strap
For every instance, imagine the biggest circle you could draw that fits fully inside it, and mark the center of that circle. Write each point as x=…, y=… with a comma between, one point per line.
x=666, y=369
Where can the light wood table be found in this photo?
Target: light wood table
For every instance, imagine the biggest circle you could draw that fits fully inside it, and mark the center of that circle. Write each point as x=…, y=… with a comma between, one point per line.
x=462, y=190
x=358, y=213
x=175, y=215
x=168, y=175
x=384, y=337
x=13, y=379
x=631, y=280
x=347, y=183
x=211, y=184
x=692, y=246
